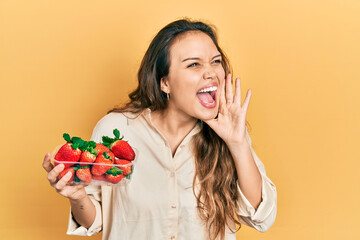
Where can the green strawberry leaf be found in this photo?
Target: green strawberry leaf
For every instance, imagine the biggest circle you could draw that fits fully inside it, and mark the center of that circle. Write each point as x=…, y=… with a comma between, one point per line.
x=67, y=138
x=106, y=155
x=128, y=176
x=107, y=141
x=75, y=146
x=76, y=140
x=114, y=171
x=92, y=144
x=93, y=151
x=116, y=133
x=76, y=179
x=83, y=145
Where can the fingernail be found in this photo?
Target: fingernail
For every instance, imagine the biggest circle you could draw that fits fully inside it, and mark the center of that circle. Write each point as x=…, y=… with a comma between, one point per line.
x=61, y=166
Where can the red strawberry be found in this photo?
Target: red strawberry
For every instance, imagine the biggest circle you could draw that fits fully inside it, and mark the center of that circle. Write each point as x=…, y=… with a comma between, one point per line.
x=83, y=173
x=122, y=149
x=114, y=179
x=65, y=171
x=111, y=155
x=127, y=168
x=103, y=163
x=101, y=148
x=119, y=147
x=100, y=177
x=114, y=175
x=88, y=156
x=69, y=152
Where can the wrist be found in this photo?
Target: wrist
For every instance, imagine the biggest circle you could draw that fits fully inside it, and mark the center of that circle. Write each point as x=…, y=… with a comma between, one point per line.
x=238, y=144
x=80, y=197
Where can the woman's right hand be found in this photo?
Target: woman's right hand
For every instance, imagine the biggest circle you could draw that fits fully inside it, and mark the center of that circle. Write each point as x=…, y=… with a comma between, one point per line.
x=73, y=192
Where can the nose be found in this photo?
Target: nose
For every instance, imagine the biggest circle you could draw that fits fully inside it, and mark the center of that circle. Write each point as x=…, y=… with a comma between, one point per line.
x=209, y=73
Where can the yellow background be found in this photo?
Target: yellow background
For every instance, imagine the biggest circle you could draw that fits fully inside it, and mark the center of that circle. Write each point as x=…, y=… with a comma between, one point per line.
x=63, y=64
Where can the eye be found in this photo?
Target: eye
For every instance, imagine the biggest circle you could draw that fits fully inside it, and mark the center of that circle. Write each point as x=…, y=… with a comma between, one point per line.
x=193, y=64
x=217, y=61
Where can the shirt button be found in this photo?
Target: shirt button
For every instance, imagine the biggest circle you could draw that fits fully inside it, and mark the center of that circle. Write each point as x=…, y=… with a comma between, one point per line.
x=173, y=206
x=172, y=237
x=172, y=174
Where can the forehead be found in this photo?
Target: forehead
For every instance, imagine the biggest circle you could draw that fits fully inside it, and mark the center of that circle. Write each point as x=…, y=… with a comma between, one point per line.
x=192, y=44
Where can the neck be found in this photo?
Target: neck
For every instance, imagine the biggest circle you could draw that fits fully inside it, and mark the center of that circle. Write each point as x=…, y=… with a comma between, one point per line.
x=174, y=126
x=173, y=123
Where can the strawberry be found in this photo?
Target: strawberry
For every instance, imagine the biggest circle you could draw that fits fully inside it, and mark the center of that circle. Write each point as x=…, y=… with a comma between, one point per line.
x=119, y=147
x=100, y=177
x=111, y=155
x=87, y=157
x=69, y=152
x=89, y=153
x=122, y=149
x=83, y=173
x=114, y=175
x=101, y=148
x=126, y=165
x=103, y=163
x=114, y=179
x=65, y=171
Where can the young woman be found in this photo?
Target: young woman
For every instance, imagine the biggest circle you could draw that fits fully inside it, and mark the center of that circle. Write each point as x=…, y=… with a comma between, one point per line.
x=196, y=174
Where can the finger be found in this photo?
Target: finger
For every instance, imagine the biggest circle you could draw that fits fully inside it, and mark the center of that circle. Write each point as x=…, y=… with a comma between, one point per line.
x=55, y=172
x=80, y=186
x=222, y=92
x=47, y=163
x=247, y=100
x=63, y=181
x=228, y=89
x=237, y=98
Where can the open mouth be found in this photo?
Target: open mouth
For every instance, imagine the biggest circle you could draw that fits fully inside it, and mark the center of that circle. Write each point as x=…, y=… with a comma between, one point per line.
x=207, y=96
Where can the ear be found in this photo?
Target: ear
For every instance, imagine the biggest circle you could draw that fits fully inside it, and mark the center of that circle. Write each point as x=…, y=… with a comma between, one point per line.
x=164, y=84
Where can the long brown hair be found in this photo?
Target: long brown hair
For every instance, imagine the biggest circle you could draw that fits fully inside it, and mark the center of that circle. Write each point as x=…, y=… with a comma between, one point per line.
x=215, y=169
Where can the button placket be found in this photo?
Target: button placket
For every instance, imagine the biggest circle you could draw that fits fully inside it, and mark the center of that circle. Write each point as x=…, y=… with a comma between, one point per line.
x=172, y=195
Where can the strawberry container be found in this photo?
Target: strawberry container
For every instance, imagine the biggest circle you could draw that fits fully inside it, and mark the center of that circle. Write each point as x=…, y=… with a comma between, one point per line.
x=117, y=173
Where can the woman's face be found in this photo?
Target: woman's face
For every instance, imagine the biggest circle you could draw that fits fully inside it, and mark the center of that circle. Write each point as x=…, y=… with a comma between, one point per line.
x=194, y=77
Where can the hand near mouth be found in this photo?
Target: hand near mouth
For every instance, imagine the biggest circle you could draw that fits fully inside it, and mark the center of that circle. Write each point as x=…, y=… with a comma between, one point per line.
x=230, y=123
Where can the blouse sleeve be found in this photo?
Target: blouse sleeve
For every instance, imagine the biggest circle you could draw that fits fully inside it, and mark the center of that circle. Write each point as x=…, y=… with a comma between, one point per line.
x=94, y=193
x=102, y=128
x=264, y=216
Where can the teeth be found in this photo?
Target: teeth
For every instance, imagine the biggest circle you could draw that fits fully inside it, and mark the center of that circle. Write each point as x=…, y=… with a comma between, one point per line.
x=209, y=89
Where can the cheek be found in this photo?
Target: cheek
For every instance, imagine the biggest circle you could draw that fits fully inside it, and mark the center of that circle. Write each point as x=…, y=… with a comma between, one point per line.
x=186, y=80
x=221, y=73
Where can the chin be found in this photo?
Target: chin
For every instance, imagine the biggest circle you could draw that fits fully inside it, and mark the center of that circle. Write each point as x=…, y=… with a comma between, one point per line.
x=208, y=114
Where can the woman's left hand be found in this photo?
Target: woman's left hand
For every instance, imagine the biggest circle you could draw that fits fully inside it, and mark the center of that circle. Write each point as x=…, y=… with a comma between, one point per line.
x=230, y=123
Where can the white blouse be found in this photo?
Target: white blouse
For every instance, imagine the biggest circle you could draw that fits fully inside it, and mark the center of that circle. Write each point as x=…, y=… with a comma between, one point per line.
x=158, y=203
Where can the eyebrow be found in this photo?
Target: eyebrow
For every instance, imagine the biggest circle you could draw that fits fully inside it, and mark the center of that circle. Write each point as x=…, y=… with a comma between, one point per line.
x=196, y=58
